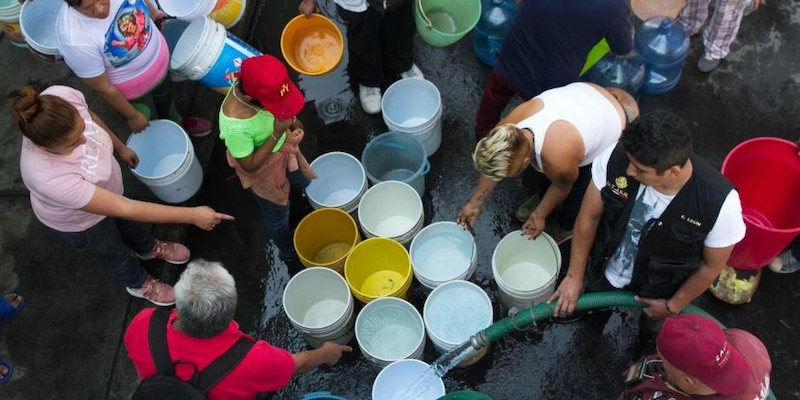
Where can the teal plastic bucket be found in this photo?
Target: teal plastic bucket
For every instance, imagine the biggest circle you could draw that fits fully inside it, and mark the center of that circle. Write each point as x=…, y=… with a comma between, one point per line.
x=395, y=156
x=441, y=23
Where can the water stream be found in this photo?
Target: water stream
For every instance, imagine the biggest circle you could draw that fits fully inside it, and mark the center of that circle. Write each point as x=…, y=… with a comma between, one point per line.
x=418, y=388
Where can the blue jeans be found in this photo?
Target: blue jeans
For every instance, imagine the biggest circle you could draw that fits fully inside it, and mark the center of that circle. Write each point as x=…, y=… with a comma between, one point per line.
x=276, y=216
x=111, y=243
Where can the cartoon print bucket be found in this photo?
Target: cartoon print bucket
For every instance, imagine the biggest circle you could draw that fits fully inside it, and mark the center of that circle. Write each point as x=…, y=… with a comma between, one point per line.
x=207, y=53
x=9, y=22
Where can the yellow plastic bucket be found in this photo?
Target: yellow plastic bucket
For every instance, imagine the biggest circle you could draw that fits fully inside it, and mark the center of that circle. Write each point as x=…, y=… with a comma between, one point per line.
x=441, y=23
x=325, y=237
x=378, y=267
x=312, y=46
x=228, y=12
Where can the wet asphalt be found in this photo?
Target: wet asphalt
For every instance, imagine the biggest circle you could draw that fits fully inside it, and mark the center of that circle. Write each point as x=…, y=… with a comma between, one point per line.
x=753, y=93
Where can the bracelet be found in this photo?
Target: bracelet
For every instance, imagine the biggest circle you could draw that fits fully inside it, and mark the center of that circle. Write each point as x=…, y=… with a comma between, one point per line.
x=666, y=305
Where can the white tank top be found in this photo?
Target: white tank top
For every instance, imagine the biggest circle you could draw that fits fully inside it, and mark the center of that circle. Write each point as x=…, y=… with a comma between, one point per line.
x=592, y=114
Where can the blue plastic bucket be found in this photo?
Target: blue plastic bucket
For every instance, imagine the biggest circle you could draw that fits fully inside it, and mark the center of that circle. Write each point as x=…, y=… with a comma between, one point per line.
x=414, y=106
x=394, y=156
x=167, y=163
x=207, y=53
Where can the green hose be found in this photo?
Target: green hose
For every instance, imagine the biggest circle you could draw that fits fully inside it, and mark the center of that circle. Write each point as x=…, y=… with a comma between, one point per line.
x=587, y=301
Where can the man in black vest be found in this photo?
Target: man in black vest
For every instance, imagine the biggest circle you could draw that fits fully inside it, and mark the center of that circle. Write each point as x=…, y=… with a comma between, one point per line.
x=657, y=221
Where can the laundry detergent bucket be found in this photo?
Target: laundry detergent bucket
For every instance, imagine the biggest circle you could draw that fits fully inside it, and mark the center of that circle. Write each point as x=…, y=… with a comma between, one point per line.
x=390, y=329
x=37, y=21
x=525, y=270
x=442, y=22
x=394, y=156
x=394, y=381
x=340, y=183
x=207, y=53
x=167, y=163
x=442, y=252
x=319, y=305
x=391, y=209
x=455, y=311
x=414, y=107
x=766, y=173
x=9, y=22
x=378, y=267
x=325, y=237
x=228, y=12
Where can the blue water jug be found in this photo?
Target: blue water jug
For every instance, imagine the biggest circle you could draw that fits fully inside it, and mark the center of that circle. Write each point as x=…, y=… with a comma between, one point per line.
x=625, y=72
x=496, y=16
x=663, y=44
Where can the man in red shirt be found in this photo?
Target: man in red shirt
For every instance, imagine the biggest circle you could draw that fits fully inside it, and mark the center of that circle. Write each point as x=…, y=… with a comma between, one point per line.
x=201, y=328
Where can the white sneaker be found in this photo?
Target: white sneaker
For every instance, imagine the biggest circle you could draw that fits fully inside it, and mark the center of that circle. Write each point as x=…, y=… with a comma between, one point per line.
x=370, y=99
x=413, y=72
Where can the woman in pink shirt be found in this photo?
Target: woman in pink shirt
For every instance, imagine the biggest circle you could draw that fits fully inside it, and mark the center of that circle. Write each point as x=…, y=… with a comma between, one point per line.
x=67, y=162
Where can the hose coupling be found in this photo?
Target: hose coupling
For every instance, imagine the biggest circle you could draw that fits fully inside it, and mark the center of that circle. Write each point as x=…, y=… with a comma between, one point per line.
x=479, y=340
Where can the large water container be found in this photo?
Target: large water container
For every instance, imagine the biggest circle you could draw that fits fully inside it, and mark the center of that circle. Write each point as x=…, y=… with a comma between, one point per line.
x=663, y=44
x=492, y=27
x=625, y=72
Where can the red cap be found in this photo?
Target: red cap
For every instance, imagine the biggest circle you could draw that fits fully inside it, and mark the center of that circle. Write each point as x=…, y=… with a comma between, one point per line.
x=265, y=79
x=699, y=347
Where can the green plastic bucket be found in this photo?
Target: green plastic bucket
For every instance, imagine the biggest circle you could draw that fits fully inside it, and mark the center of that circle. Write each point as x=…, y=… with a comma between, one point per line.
x=442, y=22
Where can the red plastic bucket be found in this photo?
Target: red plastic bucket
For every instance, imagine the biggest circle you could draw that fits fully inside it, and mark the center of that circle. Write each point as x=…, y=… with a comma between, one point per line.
x=766, y=172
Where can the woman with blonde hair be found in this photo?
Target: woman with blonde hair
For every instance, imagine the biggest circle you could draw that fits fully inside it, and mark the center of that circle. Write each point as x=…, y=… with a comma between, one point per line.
x=67, y=162
x=558, y=133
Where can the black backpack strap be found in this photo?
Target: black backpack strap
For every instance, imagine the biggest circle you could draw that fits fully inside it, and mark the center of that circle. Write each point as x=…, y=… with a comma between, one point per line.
x=223, y=364
x=157, y=337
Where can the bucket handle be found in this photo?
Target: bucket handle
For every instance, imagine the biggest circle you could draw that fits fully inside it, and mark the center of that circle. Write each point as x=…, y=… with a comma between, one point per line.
x=428, y=23
x=426, y=168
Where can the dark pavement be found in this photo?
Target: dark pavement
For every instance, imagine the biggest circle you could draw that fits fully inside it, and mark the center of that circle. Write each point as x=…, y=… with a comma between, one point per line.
x=67, y=343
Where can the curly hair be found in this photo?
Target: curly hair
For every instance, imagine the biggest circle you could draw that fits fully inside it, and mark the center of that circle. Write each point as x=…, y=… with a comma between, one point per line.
x=659, y=139
x=494, y=153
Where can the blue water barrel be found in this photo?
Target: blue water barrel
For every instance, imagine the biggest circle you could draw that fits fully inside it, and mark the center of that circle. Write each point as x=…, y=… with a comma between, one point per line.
x=496, y=16
x=625, y=72
x=663, y=44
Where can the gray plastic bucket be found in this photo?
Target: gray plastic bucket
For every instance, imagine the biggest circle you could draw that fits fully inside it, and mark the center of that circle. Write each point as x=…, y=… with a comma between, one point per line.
x=394, y=156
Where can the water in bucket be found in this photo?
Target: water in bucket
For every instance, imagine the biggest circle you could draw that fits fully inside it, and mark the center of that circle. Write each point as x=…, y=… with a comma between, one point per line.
x=383, y=282
x=441, y=252
x=442, y=20
x=332, y=252
x=323, y=312
x=454, y=311
x=318, y=50
x=526, y=275
x=394, y=381
x=390, y=332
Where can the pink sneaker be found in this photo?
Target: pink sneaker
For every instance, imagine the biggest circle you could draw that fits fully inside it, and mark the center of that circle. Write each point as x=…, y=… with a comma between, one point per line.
x=196, y=126
x=171, y=252
x=158, y=293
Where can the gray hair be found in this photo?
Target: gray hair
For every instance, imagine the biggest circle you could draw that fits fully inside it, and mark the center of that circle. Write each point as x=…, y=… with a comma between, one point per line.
x=205, y=297
x=494, y=153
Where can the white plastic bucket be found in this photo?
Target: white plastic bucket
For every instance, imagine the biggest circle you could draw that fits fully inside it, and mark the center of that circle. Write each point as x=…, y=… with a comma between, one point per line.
x=525, y=270
x=9, y=22
x=455, y=311
x=396, y=156
x=390, y=329
x=414, y=106
x=167, y=163
x=319, y=305
x=391, y=209
x=207, y=53
x=394, y=382
x=188, y=10
x=442, y=252
x=340, y=182
x=37, y=21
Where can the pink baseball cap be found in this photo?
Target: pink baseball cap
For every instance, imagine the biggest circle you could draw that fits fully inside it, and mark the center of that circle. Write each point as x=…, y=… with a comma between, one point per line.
x=699, y=347
x=265, y=79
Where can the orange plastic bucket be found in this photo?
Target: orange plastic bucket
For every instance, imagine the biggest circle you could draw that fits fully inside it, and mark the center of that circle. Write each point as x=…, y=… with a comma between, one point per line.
x=312, y=46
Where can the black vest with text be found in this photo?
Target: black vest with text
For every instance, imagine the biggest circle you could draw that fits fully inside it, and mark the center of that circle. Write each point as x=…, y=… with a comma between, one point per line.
x=671, y=246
